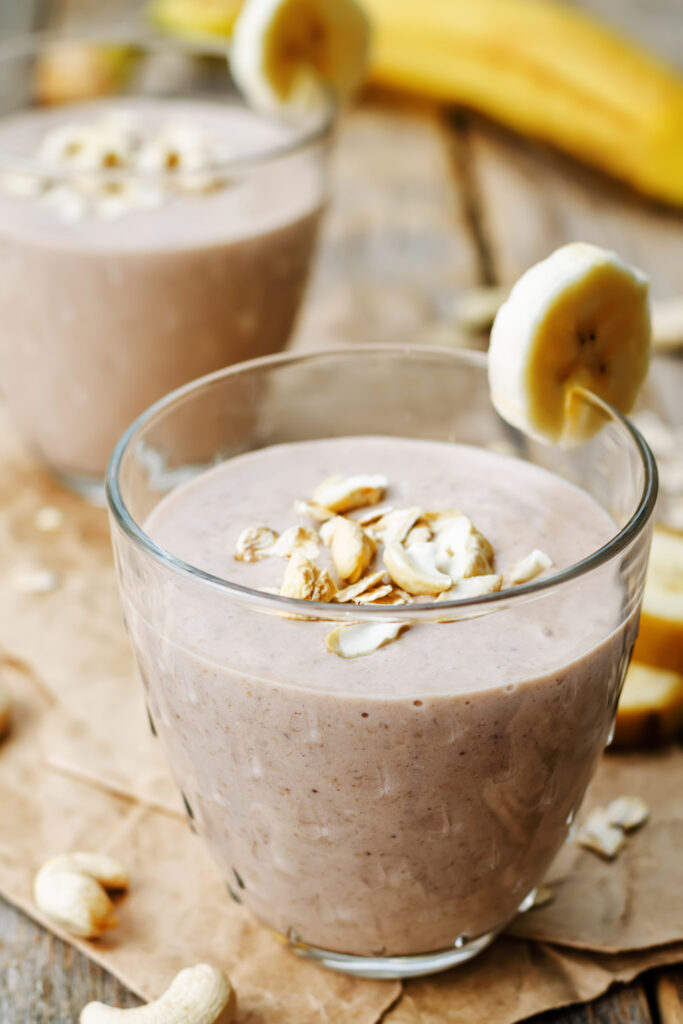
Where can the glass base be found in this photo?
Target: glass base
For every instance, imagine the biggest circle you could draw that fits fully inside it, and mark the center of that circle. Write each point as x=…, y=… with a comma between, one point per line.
x=89, y=487
x=393, y=967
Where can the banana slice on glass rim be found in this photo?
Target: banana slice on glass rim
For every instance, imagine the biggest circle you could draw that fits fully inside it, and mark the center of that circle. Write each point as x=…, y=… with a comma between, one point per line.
x=288, y=55
x=578, y=319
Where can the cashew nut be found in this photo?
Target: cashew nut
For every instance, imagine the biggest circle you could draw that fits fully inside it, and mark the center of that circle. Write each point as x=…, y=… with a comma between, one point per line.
x=197, y=995
x=71, y=891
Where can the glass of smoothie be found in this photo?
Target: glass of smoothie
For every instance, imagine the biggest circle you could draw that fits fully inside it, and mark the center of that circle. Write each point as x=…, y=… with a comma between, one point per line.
x=386, y=813
x=153, y=228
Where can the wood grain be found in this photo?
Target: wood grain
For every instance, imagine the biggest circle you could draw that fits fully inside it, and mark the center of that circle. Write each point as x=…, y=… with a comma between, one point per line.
x=531, y=200
x=626, y=1005
x=45, y=981
x=669, y=993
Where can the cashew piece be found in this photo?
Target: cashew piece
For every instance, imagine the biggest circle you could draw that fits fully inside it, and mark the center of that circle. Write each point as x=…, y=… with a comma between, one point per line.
x=71, y=891
x=197, y=995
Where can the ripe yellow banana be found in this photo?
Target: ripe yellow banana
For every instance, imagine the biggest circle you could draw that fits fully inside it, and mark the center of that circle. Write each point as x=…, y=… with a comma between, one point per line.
x=189, y=18
x=660, y=639
x=545, y=70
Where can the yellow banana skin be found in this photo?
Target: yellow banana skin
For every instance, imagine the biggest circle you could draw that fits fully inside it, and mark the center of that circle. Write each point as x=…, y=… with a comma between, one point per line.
x=544, y=70
x=194, y=18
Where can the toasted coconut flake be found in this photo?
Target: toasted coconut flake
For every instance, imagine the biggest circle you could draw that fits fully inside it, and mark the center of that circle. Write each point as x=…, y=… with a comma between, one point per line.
x=394, y=526
x=530, y=567
x=361, y=638
x=473, y=586
x=312, y=511
x=374, y=595
x=396, y=597
x=341, y=494
x=600, y=835
x=414, y=570
x=373, y=514
x=628, y=812
x=305, y=581
x=254, y=543
x=366, y=583
x=352, y=550
x=300, y=539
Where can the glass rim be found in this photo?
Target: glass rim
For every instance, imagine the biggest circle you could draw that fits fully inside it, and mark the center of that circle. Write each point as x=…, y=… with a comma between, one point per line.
x=317, y=129
x=415, y=612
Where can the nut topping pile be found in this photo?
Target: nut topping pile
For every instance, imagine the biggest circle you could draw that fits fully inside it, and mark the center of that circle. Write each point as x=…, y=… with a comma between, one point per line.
x=154, y=166
x=382, y=556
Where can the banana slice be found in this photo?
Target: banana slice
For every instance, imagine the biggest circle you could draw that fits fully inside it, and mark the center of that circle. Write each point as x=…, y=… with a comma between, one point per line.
x=580, y=318
x=660, y=639
x=650, y=709
x=287, y=55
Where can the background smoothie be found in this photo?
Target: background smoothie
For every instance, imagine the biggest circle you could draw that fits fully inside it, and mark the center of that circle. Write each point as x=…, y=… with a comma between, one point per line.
x=105, y=312
x=394, y=803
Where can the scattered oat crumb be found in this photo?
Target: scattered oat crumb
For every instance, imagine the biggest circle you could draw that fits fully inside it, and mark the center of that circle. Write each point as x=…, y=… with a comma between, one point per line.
x=35, y=581
x=600, y=835
x=305, y=581
x=254, y=543
x=48, y=519
x=628, y=812
x=543, y=895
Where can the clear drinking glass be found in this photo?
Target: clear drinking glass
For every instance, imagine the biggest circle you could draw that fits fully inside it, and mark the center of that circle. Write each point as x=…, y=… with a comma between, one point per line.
x=123, y=277
x=382, y=835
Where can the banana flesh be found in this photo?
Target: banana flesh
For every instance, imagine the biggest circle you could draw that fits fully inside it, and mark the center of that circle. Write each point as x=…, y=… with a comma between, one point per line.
x=650, y=710
x=578, y=320
x=545, y=70
x=660, y=639
x=287, y=55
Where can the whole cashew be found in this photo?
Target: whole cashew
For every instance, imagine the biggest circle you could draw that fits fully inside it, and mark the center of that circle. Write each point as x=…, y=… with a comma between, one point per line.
x=5, y=709
x=197, y=995
x=70, y=889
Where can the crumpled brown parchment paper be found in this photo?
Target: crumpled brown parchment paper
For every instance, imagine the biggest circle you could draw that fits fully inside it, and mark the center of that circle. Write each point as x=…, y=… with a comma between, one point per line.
x=81, y=770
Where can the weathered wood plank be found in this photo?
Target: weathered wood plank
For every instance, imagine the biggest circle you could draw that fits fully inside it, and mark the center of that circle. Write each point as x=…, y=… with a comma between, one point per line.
x=624, y=1006
x=396, y=238
x=532, y=200
x=43, y=979
x=669, y=993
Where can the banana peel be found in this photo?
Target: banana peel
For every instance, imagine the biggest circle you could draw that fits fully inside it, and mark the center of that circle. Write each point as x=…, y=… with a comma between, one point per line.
x=194, y=18
x=650, y=711
x=545, y=70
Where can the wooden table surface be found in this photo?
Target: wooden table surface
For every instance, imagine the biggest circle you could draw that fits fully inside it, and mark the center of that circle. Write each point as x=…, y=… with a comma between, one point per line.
x=427, y=203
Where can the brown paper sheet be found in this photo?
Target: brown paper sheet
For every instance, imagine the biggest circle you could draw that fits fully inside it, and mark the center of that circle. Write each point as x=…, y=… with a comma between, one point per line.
x=636, y=901
x=515, y=980
x=80, y=770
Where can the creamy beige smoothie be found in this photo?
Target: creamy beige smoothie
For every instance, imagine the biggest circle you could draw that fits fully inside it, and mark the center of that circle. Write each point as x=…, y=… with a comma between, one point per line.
x=398, y=802
x=107, y=305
